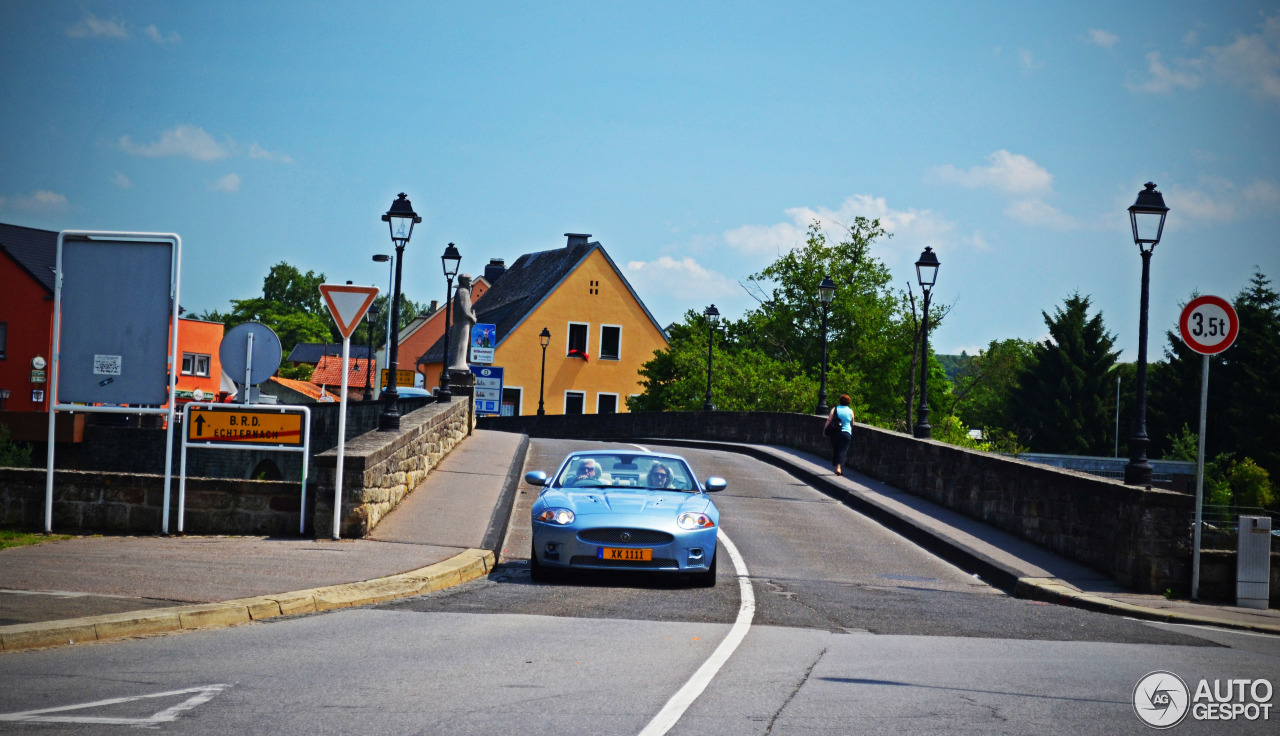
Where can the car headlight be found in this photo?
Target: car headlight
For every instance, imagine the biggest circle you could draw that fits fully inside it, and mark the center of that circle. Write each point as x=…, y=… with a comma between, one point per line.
x=694, y=521
x=556, y=516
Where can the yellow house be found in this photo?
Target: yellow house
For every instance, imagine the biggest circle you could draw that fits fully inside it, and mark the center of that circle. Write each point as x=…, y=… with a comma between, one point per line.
x=601, y=333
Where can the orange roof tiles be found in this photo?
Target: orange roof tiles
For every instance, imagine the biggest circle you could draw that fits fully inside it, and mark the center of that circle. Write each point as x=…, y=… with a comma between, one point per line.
x=328, y=372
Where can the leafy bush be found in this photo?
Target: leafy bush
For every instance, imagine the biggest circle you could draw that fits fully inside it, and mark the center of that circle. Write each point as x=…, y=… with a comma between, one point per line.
x=13, y=454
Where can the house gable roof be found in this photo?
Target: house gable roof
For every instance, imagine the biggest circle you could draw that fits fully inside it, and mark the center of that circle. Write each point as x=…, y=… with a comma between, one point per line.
x=526, y=284
x=328, y=372
x=312, y=352
x=36, y=251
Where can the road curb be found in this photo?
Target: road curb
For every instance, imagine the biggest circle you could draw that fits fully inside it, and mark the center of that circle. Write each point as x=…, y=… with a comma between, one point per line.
x=1000, y=576
x=463, y=567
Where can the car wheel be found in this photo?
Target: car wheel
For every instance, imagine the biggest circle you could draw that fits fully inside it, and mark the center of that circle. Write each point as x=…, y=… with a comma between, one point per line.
x=706, y=579
x=537, y=572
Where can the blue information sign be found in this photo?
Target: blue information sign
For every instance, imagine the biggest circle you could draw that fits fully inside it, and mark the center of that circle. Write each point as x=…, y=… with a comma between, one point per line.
x=488, y=389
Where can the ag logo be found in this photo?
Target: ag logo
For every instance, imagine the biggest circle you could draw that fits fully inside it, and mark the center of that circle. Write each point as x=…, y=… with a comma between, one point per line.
x=1161, y=699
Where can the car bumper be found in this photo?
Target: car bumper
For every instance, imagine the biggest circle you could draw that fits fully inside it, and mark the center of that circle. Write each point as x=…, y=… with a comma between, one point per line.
x=690, y=550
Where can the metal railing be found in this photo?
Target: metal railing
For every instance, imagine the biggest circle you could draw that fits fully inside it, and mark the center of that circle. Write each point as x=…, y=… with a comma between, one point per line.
x=1222, y=526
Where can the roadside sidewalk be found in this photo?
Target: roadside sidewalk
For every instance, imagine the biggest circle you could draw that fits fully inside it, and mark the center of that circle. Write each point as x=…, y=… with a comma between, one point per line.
x=443, y=533
x=1012, y=564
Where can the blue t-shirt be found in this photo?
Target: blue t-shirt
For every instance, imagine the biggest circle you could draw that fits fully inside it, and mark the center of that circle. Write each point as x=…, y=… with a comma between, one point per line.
x=845, y=416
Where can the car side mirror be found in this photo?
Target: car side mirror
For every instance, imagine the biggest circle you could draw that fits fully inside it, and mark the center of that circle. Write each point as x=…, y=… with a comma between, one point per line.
x=715, y=483
x=536, y=478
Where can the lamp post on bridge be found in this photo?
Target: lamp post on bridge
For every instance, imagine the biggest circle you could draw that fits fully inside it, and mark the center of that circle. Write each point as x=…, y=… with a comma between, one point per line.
x=544, y=338
x=400, y=219
x=1146, y=216
x=713, y=316
x=826, y=292
x=927, y=275
x=449, y=260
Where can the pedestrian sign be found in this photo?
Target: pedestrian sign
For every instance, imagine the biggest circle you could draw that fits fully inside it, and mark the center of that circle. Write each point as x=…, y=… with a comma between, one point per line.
x=488, y=396
x=253, y=427
x=484, y=338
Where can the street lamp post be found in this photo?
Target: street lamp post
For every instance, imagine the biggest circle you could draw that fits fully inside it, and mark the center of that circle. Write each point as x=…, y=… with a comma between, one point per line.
x=927, y=275
x=400, y=219
x=826, y=292
x=544, y=338
x=713, y=316
x=370, y=317
x=1147, y=218
x=449, y=261
x=386, y=351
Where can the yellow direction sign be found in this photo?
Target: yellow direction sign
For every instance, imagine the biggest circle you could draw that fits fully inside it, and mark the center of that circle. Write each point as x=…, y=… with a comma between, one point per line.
x=403, y=378
x=250, y=426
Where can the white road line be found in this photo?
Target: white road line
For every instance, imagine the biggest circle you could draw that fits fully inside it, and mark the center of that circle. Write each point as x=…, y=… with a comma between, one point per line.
x=1218, y=629
x=203, y=694
x=684, y=697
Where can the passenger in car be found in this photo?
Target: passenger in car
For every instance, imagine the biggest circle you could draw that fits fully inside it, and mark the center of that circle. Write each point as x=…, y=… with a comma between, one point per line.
x=659, y=476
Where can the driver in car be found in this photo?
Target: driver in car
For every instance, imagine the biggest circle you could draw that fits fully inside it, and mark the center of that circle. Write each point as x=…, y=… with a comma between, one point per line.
x=586, y=473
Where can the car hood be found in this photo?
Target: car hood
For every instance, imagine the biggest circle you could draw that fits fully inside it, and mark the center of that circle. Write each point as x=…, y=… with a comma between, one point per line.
x=585, y=502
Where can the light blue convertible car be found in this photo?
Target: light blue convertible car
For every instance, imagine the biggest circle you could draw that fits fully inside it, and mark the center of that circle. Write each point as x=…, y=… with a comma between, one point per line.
x=611, y=510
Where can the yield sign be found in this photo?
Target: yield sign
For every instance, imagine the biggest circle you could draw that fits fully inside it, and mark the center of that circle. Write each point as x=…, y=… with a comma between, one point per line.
x=347, y=304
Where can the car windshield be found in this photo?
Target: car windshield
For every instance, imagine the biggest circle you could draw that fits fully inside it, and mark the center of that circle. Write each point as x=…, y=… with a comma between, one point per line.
x=619, y=470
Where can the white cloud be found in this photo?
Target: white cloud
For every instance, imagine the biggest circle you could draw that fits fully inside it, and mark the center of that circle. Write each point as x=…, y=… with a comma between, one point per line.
x=228, y=183
x=667, y=279
x=1011, y=173
x=121, y=181
x=154, y=34
x=1040, y=214
x=1162, y=79
x=93, y=27
x=1253, y=61
x=1221, y=200
x=1028, y=61
x=1102, y=38
x=1260, y=191
x=41, y=200
x=184, y=140
x=256, y=151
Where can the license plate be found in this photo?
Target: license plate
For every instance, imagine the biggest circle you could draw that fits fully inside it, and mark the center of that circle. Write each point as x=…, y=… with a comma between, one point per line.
x=628, y=555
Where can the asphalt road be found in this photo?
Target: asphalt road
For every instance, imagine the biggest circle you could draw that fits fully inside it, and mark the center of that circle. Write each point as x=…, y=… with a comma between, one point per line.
x=855, y=631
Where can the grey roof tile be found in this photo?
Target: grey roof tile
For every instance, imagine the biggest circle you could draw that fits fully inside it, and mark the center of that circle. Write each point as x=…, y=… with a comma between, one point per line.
x=35, y=250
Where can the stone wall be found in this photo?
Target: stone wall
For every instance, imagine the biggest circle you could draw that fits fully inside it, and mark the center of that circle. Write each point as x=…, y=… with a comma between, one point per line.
x=133, y=503
x=379, y=468
x=1139, y=537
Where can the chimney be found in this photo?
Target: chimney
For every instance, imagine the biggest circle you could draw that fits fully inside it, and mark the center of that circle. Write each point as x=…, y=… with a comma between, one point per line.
x=494, y=270
x=577, y=239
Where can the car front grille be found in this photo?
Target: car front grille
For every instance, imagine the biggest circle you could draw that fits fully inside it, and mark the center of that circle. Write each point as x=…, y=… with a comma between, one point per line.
x=613, y=535
x=654, y=564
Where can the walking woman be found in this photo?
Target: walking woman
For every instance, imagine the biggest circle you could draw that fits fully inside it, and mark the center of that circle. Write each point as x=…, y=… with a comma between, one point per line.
x=842, y=416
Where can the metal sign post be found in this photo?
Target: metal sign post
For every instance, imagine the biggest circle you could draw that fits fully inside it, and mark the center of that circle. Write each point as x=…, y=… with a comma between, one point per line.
x=347, y=305
x=231, y=427
x=103, y=358
x=1209, y=325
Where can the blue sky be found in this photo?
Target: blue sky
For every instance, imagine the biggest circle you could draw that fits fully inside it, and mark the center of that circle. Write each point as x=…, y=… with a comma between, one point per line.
x=694, y=140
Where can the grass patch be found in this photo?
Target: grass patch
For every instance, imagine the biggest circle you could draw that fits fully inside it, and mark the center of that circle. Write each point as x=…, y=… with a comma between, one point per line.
x=10, y=538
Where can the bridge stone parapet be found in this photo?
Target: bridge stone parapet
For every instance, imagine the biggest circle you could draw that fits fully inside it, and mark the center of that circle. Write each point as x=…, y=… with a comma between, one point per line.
x=1139, y=537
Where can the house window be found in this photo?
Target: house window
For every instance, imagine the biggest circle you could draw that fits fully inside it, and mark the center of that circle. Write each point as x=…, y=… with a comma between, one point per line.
x=610, y=342
x=606, y=403
x=578, y=339
x=4, y=337
x=511, y=401
x=574, y=401
x=194, y=364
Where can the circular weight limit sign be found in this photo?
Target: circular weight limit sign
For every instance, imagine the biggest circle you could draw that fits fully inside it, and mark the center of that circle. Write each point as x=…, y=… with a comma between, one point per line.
x=1209, y=325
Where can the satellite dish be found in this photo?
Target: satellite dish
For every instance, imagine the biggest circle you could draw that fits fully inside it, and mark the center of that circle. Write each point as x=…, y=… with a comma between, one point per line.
x=234, y=353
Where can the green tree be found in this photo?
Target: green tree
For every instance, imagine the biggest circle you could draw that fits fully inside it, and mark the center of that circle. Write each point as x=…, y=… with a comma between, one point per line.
x=983, y=383
x=770, y=359
x=1061, y=398
x=1244, y=406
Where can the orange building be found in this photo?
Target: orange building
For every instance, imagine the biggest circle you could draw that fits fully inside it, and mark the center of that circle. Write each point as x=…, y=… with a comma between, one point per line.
x=200, y=368
x=601, y=332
